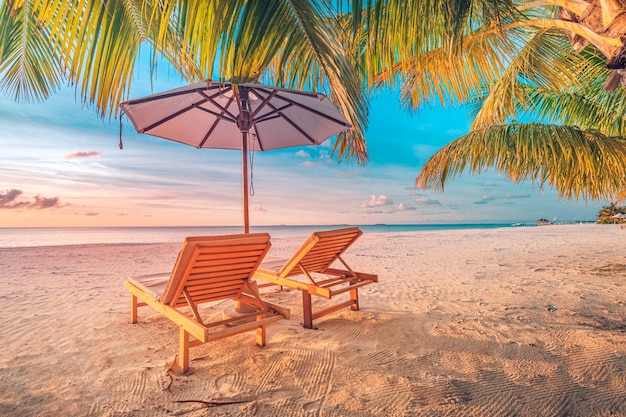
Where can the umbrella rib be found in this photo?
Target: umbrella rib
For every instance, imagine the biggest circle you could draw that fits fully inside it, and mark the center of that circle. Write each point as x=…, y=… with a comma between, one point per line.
x=215, y=123
x=220, y=116
x=216, y=104
x=268, y=116
x=319, y=113
x=264, y=103
x=294, y=125
x=168, y=118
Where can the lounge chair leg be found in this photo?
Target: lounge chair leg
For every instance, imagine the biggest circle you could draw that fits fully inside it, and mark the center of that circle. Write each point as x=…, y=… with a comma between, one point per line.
x=261, y=336
x=354, y=296
x=183, y=353
x=307, y=310
x=133, y=309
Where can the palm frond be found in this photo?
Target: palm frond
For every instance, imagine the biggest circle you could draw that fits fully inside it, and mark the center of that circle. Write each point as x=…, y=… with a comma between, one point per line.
x=399, y=30
x=605, y=112
x=575, y=162
x=453, y=79
x=313, y=56
x=98, y=43
x=544, y=60
x=29, y=69
x=292, y=43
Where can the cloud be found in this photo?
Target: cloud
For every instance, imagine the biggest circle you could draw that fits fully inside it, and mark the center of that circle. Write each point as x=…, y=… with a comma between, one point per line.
x=310, y=164
x=302, y=154
x=404, y=207
x=353, y=173
x=83, y=154
x=10, y=201
x=520, y=195
x=374, y=201
x=425, y=201
x=486, y=197
x=257, y=208
x=44, y=203
x=480, y=202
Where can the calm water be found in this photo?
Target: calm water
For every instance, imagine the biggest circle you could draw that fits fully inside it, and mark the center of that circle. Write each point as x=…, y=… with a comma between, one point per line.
x=51, y=236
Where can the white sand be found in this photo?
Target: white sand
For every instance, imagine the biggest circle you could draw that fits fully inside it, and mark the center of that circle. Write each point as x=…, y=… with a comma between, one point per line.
x=505, y=322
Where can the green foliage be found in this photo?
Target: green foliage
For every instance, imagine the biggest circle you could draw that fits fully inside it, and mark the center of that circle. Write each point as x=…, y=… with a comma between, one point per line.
x=506, y=59
x=606, y=214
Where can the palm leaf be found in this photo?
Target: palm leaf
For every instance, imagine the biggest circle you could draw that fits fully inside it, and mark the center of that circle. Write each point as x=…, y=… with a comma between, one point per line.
x=401, y=30
x=544, y=60
x=575, y=162
x=29, y=69
x=290, y=42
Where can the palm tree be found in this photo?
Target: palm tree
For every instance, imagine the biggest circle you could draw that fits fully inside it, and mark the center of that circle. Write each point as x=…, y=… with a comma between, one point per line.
x=94, y=45
x=504, y=55
x=606, y=215
x=524, y=66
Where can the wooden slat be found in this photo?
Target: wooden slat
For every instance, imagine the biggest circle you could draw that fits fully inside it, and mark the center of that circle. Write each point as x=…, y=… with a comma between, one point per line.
x=215, y=295
x=206, y=296
x=207, y=285
x=237, y=318
x=236, y=274
x=225, y=269
x=243, y=260
x=223, y=251
x=229, y=331
x=358, y=275
x=348, y=288
x=332, y=309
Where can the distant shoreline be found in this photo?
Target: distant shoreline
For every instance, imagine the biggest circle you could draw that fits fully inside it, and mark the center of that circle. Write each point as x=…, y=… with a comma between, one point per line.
x=61, y=236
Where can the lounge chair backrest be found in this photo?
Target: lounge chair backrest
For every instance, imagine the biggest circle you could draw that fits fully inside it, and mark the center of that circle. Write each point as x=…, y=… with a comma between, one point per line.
x=320, y=250
x=211, y=268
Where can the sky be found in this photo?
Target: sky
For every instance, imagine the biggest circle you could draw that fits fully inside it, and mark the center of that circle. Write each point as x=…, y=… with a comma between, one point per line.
x=60, y=165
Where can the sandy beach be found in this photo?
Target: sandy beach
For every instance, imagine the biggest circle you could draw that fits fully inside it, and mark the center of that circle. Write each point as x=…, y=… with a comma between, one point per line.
x=527, y=321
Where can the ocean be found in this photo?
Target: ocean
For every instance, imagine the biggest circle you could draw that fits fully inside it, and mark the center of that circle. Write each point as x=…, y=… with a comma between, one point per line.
x=54, y=236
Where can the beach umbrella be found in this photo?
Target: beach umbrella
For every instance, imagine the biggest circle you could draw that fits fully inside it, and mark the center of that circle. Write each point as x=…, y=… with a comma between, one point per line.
x=246, y=117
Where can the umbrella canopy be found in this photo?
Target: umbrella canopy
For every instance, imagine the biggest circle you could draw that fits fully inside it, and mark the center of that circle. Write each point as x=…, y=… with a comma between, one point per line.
x=221, y=115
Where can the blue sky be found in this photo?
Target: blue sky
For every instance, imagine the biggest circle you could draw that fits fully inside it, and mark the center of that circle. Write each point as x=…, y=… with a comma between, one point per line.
x=60, y=165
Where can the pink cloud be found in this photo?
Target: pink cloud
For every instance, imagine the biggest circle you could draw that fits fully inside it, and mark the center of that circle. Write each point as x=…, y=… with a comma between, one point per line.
x=10, y=200
x=83, y=154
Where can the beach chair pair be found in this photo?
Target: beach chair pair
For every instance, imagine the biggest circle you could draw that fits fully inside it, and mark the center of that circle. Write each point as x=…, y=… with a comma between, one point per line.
x=217, y=268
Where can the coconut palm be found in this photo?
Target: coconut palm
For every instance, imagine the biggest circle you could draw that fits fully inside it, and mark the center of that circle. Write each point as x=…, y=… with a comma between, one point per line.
x=606, y=214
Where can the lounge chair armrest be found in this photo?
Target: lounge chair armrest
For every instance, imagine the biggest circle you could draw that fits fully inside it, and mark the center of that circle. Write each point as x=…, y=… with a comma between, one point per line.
x=361, y=275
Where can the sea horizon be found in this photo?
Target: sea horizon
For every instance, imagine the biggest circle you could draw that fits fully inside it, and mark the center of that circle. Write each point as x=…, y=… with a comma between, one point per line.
x=30, y=236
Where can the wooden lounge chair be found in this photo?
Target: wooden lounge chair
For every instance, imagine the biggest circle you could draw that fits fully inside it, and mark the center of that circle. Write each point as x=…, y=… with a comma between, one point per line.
x=208, y=269
x=309, y=270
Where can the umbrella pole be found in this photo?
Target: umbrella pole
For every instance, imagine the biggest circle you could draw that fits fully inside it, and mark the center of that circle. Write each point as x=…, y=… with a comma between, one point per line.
x=244, y=170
